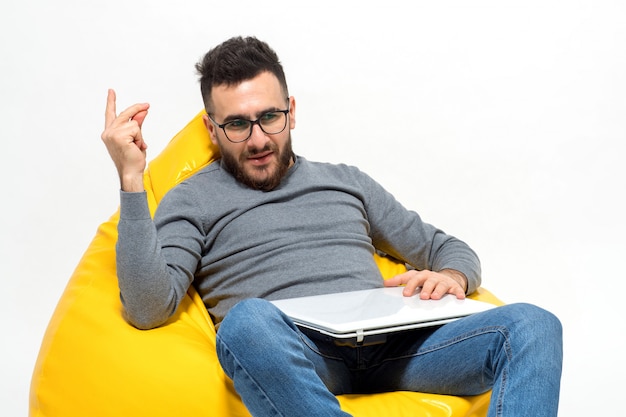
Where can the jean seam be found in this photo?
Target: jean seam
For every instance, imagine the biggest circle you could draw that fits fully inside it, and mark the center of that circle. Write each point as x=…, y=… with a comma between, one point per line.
x=314, y=349
x=478, y=332
x=227, y=350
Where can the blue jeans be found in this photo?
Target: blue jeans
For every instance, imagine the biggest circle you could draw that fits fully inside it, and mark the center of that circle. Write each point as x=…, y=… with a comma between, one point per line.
x=279, y=370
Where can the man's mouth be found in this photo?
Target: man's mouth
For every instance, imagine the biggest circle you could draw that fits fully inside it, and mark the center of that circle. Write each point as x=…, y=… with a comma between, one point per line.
x=260, y=158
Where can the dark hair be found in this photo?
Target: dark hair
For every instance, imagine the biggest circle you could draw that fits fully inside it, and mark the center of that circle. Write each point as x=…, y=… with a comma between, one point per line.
x=236, y=60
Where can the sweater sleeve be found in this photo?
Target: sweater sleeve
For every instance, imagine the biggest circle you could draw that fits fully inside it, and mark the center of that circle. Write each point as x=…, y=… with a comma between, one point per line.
x=402, y=234
x=151, y=288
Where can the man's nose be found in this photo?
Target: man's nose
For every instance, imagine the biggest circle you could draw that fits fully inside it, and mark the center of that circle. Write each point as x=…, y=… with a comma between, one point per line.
x=258, y=138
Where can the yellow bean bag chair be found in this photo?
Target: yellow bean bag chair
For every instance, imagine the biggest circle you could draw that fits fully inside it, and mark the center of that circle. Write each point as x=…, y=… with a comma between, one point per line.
x=92, y=363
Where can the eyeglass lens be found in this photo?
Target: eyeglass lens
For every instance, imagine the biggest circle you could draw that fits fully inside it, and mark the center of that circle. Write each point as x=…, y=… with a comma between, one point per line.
x=270, y=122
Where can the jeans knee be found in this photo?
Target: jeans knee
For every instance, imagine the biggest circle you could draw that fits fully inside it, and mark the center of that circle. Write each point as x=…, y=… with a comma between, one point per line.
x=255, y=335
x=536, y=324
x=240, y=333
x=246, y=319
x=254, y=325
x=538, y=317
x=247, y=309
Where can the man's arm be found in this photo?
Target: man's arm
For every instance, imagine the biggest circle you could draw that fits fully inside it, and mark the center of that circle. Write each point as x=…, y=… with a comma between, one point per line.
x=149, y=291
x=443, y=264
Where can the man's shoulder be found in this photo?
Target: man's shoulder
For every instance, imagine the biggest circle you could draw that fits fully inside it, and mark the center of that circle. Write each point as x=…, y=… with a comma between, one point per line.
x=332, y=167
x=200, y=181
x=204, y=174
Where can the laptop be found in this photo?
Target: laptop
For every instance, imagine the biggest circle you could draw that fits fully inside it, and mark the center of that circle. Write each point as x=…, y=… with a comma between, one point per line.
x=364, y=317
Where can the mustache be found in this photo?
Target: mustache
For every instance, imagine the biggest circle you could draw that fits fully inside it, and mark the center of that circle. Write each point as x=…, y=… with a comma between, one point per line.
x=269, y=147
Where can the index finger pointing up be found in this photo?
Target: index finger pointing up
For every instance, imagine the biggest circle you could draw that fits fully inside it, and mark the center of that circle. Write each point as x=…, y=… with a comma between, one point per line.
x=109, y=113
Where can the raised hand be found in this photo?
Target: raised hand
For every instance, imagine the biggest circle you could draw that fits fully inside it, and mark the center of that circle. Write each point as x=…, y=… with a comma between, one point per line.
x=124, y=141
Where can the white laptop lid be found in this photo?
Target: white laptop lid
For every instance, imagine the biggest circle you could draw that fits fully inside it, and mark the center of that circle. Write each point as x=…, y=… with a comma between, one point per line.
x=359, y=314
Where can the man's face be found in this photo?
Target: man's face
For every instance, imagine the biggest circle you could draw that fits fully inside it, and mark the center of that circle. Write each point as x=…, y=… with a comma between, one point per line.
x=263, y=160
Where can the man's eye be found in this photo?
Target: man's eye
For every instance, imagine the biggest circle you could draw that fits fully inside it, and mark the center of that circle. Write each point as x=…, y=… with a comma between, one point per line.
x=269, y=117
x=238, y=125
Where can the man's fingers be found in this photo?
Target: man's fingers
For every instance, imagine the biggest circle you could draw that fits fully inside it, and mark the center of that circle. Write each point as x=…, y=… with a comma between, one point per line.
x=393, y=281
x=436, y=289
x=410, y=287
x=140, y=142
x=428, y=291
x=409, y=279
x=132, y=111
x=109, y=113
x=433, y=285
x=140, y=117
x=137, y=112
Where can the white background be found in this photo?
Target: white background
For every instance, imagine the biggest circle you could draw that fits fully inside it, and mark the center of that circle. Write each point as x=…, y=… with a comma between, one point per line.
x=501, y=122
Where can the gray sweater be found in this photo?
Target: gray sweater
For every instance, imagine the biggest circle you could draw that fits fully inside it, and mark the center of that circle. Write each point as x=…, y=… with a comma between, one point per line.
x=315, y=233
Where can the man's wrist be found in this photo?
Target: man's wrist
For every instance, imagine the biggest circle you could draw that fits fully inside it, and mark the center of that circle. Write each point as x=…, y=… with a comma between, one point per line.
x=132, y=183
x=458, y=276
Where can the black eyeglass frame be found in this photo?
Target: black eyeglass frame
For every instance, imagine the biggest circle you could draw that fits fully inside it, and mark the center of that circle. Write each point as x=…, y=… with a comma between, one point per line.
x=252, y=123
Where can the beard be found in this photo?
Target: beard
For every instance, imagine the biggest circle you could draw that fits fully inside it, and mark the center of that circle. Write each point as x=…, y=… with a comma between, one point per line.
x=274, y=173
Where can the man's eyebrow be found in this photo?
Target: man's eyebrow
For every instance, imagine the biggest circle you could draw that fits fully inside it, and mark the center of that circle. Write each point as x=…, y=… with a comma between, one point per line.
x=258, y=114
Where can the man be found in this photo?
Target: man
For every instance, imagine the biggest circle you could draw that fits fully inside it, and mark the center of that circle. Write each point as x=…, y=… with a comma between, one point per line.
x=263, y=223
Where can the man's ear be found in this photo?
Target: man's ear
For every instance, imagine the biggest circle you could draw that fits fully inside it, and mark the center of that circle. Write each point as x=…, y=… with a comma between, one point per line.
x=210, y=127
x=292, y=112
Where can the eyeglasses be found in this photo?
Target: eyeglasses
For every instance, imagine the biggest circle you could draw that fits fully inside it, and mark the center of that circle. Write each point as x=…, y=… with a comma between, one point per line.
x=240, y=130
